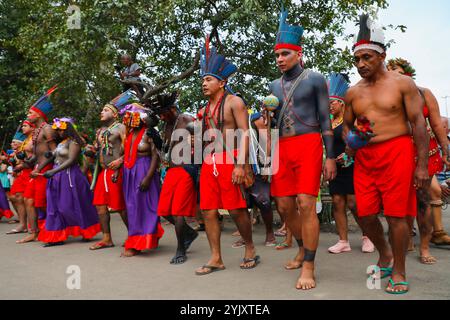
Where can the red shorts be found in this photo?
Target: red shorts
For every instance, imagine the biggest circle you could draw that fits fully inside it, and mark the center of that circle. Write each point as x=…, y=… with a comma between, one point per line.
x=37, y=189
x=218, y=192
x=107, y=193
x=178, y=195
x=384, y=178
x=299, y=166
x=20, y=183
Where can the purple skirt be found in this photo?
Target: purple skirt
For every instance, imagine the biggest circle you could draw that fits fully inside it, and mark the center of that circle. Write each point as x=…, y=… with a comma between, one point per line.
x=5, y=211
x=69, y=207
x=144, y=228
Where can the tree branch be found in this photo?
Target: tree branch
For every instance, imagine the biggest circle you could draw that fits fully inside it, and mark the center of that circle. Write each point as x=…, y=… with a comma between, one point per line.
x=150, y=91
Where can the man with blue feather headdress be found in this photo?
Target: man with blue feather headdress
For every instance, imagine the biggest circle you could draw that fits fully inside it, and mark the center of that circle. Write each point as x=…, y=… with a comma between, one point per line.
x=303, y=120
x=224, y=173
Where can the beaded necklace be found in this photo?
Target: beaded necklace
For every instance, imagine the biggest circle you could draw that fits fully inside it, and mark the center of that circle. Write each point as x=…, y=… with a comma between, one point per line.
x=105, y=136
x=36, y=134
x=214, y=115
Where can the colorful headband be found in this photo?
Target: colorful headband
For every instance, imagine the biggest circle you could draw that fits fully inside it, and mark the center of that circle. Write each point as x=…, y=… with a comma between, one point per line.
x=29, y=123
x=61, y=124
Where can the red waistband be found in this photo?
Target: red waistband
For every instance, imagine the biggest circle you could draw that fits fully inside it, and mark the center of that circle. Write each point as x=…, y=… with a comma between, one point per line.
x=387, y=142
x=300, y=137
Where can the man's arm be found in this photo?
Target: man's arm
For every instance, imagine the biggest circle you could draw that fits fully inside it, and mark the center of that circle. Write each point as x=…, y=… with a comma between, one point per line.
x=136, y=72
x=323, y=103
x=240, y=115
x=349, y=115
x=413, y=105
x=436, y=123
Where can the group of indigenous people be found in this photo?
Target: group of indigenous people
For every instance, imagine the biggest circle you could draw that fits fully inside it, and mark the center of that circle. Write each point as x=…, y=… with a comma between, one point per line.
x=379, y=145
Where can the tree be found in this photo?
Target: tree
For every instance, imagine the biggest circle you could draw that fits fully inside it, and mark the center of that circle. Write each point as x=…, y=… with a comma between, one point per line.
x=165, y=37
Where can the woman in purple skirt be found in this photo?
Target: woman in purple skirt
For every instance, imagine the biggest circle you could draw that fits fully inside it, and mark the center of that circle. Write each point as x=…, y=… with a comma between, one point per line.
x=5, y=210
x=141, y=185
x=69, y=199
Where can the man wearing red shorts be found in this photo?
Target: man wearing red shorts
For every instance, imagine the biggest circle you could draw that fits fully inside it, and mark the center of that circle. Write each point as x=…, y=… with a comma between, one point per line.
x=178, y=198
x=108, y=193
x=385, y=174
x=303, y=119
x=221, y=181
x=22, y=173
x=44, y=142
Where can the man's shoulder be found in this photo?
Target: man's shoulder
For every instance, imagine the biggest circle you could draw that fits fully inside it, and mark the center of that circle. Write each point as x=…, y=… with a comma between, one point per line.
x=234, y=101
x=315, y=75
x=276, y=82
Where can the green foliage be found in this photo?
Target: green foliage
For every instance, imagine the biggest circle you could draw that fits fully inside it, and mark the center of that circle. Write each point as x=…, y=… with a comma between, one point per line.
x=38, y=50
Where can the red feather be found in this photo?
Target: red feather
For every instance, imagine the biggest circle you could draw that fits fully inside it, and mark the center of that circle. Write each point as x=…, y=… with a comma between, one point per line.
x=50, y=91
x=207, y=49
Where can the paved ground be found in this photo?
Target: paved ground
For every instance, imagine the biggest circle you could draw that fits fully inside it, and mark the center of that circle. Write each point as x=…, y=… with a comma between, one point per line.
x=30, y=271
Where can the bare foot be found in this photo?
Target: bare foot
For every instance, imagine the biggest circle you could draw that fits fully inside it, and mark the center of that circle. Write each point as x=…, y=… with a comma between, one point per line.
x=296, y=263
x=306, y=280
x=30, y=238
x=130, y=253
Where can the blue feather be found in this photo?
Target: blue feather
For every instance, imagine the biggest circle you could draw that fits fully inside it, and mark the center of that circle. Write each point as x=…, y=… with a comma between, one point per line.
x=338, y=85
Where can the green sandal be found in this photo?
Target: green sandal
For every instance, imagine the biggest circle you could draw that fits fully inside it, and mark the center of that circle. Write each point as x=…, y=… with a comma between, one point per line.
x=387, y=272
x=394, y=284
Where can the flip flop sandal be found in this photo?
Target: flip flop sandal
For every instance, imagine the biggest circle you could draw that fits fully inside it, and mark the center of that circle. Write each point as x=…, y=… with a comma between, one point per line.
x=280, y=233
x=387, y=272
x=101, y=245
x=211, y=270
x=238, y=244
x=394, y=284
x=256, y=261
x=282, y=246
x=15, y=231
x=427, y=260
x=53, y=244
x=270, y=243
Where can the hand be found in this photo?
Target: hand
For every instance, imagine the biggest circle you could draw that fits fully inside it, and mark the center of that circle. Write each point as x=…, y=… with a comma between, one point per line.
x=340, y=159
x=445, y=191
x=238, y=175
x=446, y=159
x=49, y=174
x=115, y=176
x=329, y=171
x=116, y=164
x=145, y=184
x=421, y=178
x=34, y=173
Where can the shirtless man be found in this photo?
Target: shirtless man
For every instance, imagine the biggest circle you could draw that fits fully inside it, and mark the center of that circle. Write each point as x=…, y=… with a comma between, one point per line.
x=304, y=124
x=44, y=140
x=108, y=193
x=178, y=195
x=221, y=181
x=22, y=171
x=385, y=175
